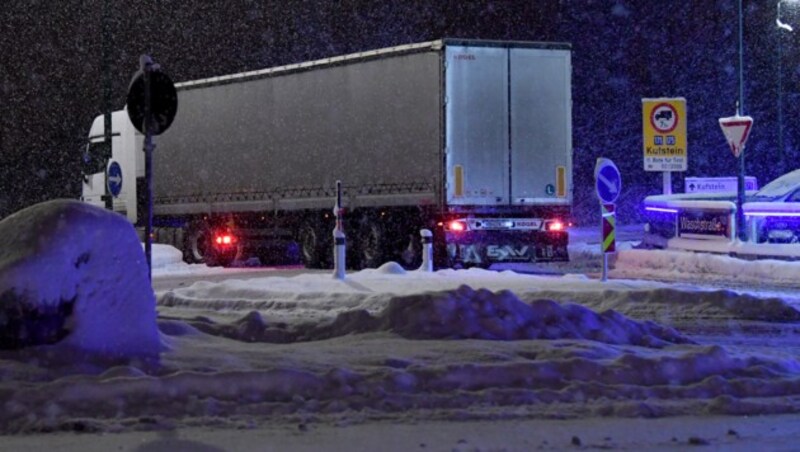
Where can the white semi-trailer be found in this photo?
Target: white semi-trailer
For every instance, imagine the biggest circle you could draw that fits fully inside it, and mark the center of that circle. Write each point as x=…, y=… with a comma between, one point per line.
x=470, y=139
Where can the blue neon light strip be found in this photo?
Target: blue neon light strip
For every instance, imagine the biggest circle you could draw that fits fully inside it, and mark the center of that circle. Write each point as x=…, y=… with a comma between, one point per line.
x=754, y=213
x=772, y=214
x=661, y=209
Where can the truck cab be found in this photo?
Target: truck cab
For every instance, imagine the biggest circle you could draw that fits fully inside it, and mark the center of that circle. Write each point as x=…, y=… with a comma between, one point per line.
x=126, y=150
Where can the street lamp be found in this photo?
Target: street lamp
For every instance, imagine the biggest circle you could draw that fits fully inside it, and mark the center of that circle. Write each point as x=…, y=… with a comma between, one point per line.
x=787, y=27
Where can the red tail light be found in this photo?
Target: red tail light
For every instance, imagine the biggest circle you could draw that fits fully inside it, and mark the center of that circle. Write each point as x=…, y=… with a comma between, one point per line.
x=554, y=226
x=225, y=239
x=456, y=226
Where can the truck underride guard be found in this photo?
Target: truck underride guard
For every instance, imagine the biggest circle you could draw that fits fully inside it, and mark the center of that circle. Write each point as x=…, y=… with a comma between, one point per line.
x=482, y=242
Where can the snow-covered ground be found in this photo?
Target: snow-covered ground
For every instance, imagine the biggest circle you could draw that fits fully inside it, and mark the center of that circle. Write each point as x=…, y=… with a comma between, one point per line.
x=397, y=360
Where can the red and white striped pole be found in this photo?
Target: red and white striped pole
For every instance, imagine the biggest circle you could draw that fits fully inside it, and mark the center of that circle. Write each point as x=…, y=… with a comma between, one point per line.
x=339, y=238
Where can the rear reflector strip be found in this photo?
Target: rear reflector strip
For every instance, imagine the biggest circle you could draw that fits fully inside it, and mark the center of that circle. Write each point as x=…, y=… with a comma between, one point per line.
x=561, y=181
x=458, y=180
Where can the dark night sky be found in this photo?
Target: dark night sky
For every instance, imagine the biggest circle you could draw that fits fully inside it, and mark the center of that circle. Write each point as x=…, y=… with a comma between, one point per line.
x=51, y=71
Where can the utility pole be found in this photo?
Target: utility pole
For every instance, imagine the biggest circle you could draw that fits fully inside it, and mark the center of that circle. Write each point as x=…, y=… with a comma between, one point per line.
x=109, y=202
x=781, y=27
x=740, y=193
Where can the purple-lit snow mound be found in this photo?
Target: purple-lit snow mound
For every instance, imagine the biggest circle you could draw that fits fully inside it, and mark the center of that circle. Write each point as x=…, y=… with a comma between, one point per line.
x=75, y=275
x=482, y=314
x=464, y=313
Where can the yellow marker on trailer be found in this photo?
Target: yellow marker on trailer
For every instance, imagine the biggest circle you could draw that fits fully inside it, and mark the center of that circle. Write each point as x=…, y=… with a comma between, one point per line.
x=458, y=178
x=561, y=181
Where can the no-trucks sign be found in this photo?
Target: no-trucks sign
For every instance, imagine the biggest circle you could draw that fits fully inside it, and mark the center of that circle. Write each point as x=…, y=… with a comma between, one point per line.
x=664, y=131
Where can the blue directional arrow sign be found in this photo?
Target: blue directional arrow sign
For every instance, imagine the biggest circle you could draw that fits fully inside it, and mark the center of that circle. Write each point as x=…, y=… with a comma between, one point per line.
x=608, y=181
x=114, y=179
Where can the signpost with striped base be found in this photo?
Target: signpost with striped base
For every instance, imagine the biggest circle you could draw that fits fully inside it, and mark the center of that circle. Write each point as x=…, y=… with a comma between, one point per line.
x=608, y=184
x=609, y=235
x=609, y=225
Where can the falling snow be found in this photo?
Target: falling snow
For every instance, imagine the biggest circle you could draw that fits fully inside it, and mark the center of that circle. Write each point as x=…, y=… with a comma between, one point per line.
x=52, y=79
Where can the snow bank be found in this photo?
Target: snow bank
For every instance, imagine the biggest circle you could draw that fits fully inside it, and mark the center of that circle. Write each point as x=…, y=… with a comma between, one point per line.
x=381, y=377
x=464, y=313
x=319, y=298
x=167, y=261
x=76, y=274
x=165, y=257
x=469, y=314
x=682, y=265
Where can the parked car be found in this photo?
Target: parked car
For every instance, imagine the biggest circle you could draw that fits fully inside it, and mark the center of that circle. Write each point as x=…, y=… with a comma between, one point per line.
x=774, y=211
x=783, y=189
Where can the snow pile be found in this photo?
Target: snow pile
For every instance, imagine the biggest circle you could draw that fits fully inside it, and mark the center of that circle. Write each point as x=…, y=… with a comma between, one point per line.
x=464, y=313
x=391, y=268
x=679, y=303
x=168, y=261
x=380, y=377
x=681, y=265
x=403, y=347
x=469, y=314
x=320, y=298
x=165, y=257
x=75, y=274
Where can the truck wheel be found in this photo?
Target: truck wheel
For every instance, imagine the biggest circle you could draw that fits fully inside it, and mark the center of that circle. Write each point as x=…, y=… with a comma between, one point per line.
x=198, y=248
x=197, y=244
x=314, y=246
x=372, y=245
x=411, y=254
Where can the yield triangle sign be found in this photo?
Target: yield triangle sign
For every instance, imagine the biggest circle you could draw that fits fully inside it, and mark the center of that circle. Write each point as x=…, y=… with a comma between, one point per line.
x=736, y=130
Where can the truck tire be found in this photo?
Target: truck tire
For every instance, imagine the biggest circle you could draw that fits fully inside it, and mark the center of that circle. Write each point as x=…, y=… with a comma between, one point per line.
x=198, y=248
x=197, y=244
x=373, y=243
x=315, y=245
x=411, y=255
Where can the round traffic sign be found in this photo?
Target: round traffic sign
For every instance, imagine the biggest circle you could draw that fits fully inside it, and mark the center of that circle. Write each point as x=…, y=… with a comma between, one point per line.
x=163, y=101
x=608, y=181
x=114, y=179
x=664, y=117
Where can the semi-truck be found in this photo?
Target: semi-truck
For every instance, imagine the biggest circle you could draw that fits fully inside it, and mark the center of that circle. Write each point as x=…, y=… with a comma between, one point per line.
x=470, y=139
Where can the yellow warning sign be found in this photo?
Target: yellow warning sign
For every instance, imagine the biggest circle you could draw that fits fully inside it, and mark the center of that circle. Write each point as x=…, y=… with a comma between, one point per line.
x=664, y=130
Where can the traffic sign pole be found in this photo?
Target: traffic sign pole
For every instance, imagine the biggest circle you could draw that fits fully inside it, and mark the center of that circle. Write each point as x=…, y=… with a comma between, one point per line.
x=736, y=130
x=152, y=105
x=107, y=95
x=608, y=184
x=145, y=65
x=740, y=195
